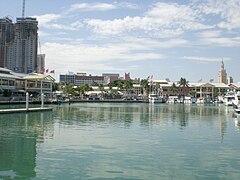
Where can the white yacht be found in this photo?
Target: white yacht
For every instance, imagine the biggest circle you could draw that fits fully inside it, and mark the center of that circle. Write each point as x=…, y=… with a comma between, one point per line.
x=189, y=100
x=236, y=102
x=228, y=99
x=155, y=98
x=173, y=99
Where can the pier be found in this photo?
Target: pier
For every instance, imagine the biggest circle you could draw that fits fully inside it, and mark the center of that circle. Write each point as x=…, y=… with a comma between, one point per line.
x=24, y=110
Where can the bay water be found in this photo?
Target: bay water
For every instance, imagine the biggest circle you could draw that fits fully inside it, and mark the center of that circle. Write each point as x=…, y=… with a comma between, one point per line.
x=121, y=141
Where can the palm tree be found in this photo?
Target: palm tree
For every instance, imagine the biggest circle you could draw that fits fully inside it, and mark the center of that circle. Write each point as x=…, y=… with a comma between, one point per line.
x=82, y=89
x=183, y=83
x=101, y=88
x=70, y=89
x=127, y=85
x=145, y=86
x=174, y=88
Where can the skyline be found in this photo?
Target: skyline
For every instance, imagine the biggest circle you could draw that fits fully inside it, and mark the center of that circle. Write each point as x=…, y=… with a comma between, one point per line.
x=166, y=39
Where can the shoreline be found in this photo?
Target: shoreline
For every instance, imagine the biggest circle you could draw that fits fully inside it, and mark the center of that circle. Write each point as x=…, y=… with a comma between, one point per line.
x=74, y=101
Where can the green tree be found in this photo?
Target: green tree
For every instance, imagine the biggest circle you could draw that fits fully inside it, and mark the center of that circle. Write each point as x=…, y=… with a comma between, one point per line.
x=184, y=84
x=55, y=87
x=174, y=88
x=101, y=88
x=70, y=89
x=128, y=86
x=145, y=87
x=82, y=89
x=193, y=93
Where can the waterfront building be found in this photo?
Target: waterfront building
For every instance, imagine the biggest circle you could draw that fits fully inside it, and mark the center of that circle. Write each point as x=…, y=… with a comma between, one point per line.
x=6, y=41
x=7, y=80
x=90, y=80
x=127, y=76
x=234, y=87
x=110, y=77
x=40, y=63
x=14, y=84
x=199, y=89
x=137, y=89
x=81, y=78
x=67, y=78
x=222, y=75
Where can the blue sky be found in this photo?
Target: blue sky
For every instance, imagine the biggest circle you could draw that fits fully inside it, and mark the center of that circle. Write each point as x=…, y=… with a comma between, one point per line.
x=166, y=39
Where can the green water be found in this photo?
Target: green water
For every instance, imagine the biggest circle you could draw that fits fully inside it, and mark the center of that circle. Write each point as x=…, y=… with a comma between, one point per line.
x=121, y=141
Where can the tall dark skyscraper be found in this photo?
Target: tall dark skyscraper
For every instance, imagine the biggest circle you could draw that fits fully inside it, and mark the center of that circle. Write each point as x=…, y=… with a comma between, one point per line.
x=6, y=40
x=19, y=43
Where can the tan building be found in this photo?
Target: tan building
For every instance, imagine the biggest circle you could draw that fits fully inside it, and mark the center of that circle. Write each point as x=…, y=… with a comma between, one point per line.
x=15, y=85
x=222, y=75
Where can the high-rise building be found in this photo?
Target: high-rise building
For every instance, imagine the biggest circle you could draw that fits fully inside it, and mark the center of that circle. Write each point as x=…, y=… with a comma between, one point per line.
x=18, y=44
x=127, y=76
x=222, y=75
x=6, y=41
x=24, y=53
x=230, y=80
x=40, y=62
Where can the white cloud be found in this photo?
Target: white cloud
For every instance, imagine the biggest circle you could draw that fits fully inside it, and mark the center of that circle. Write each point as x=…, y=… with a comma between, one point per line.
x=77, y=25
x=223, y=41
x=127, y=5
x=93, y=7
x=43, y=20
x=43, y=33
x=228, y=10
x=151, y=44
x=161, y=18
x=209, y=34
x=208, y=59
x=95, y=57
x=50, y=21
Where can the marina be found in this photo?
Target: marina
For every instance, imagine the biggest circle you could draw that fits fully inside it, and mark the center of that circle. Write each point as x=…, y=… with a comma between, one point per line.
x=119, y=90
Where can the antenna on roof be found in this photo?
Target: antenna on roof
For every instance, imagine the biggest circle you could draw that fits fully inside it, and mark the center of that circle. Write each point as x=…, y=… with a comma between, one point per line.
x=23, y=9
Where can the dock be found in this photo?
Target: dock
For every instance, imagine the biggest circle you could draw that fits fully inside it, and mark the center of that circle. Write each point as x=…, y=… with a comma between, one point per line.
x=24, y=110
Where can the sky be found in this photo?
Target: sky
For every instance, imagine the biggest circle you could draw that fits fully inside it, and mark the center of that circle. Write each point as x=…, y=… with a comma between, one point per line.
x=164, y=39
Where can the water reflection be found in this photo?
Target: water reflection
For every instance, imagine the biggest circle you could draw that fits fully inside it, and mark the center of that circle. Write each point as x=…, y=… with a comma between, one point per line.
x=19, y=135
x=237, y=121
x=146, y=115
x=138, y=141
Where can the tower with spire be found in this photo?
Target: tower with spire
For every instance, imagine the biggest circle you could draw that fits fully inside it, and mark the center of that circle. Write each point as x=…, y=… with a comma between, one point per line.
x=222, y=75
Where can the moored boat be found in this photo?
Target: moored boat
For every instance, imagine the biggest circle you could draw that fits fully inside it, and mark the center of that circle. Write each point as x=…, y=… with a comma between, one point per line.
x=228, y=99
x=173, y=99
x=236, y=102
x=155, y=98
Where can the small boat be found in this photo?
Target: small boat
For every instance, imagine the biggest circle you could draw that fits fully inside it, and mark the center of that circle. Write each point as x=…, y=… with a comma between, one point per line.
x=187, y=100
x=236, y=102
x=173, y=99
x=204, y=100
x=155, y=98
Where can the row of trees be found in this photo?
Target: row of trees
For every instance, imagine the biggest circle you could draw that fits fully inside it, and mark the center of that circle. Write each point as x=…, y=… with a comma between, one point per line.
x=125, y=86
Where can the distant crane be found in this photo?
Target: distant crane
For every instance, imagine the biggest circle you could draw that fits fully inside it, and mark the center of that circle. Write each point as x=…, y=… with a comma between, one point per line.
x=39, y=46
x=23, y=9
